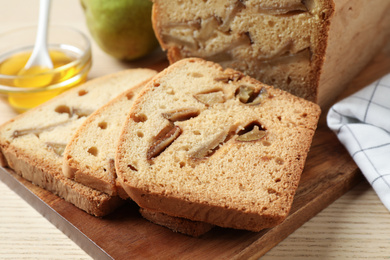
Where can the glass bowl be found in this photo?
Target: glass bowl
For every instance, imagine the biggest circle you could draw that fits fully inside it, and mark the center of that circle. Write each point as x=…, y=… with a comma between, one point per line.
x=65, y=44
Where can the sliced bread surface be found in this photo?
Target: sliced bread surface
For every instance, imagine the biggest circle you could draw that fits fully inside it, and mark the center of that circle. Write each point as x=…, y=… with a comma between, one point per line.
x=89, y=157
x=33, y=143
x=213, y=145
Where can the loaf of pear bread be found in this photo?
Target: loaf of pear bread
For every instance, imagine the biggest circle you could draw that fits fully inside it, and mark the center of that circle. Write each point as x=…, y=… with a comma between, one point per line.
x=89, y=159
x=215, y=146
x=311, y=48
x=32, y=144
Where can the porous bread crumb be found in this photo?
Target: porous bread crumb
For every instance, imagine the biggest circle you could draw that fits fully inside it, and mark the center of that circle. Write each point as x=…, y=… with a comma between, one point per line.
x=89, y=157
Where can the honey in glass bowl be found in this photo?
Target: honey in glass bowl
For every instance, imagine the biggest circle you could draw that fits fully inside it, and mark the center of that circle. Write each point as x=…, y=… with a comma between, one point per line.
x=25, y=89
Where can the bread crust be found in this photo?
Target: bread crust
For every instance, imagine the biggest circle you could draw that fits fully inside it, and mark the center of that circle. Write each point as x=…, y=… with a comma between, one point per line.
x=358, y=30
x=91, y=201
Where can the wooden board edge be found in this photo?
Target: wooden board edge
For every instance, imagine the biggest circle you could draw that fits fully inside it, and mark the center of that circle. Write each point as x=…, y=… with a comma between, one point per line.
x=20, y=186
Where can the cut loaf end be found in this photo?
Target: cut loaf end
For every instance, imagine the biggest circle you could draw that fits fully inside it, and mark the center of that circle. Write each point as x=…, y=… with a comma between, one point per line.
x=310, y=48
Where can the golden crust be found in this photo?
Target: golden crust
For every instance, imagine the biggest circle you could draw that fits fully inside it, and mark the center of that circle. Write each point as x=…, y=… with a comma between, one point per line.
x=91, y=201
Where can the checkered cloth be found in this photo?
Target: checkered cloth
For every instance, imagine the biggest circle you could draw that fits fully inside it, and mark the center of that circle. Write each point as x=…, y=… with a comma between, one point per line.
x=362, y=124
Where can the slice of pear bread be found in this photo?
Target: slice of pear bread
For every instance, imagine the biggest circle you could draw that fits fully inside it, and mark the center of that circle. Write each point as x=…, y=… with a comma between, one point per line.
x=215, y=146
x=296, y=45
x=33, y=143
x=179, y=225
x=89, y=159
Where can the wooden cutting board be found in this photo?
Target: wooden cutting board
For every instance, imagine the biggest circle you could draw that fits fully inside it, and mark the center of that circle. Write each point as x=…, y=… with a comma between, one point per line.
x=329, y=173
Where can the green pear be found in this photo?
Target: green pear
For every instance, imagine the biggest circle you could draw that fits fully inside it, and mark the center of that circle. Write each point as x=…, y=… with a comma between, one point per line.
x=122, y=28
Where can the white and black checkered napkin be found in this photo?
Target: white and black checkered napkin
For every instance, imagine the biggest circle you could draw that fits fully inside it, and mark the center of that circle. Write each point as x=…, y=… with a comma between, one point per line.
x=362, y=124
